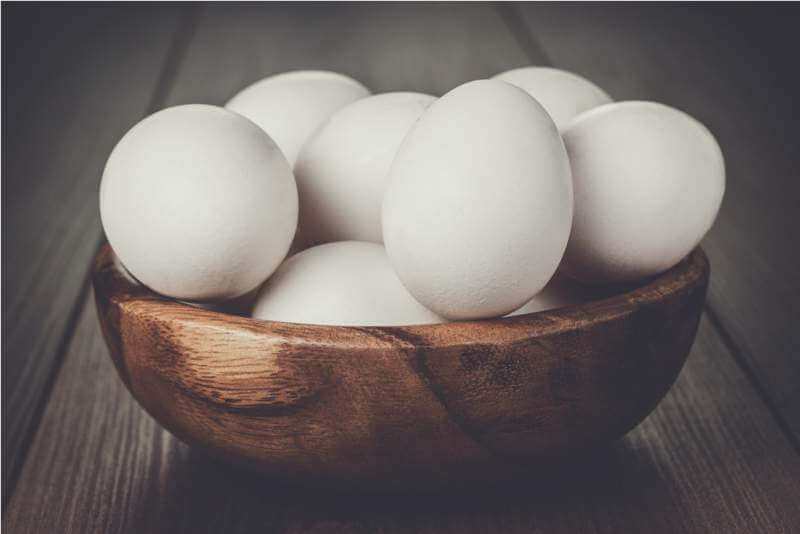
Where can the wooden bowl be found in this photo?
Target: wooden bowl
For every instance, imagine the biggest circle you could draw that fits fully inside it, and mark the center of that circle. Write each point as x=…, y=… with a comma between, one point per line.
x=402, y=407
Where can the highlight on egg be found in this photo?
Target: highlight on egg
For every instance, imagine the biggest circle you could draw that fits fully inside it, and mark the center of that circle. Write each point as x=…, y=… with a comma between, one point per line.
x=478, y=207
x=198, y=203
x=342, y=170
x=290, y=106
x=564, y=95
x=348, y=283
x=648, y=182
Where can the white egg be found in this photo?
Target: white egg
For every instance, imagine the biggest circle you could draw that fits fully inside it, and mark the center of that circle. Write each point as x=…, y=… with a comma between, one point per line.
x=648, y=182
x=563, y=94
x=349, y=283
x=290, y=106
x=478, y=206
x=559, y=292
x=198, y=203
x=342, y=170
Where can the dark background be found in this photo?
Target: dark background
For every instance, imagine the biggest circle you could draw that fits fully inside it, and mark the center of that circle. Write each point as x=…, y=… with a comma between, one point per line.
x=721, y=452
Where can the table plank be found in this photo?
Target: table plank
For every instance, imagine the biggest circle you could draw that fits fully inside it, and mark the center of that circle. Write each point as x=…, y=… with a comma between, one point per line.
x=734, y=68
x=709, y=459
x=428, y=48
x=74, y=78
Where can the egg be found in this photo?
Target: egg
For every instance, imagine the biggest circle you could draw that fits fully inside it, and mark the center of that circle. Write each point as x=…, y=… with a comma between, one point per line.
x=290, y=106
x=342, y=170
x=563, y=94
x=648, y=182
x=348, y=283
x=478, y=206
x=198, y=203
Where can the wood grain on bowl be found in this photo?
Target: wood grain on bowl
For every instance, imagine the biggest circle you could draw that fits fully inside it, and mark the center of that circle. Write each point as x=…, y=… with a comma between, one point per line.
x=402, y=406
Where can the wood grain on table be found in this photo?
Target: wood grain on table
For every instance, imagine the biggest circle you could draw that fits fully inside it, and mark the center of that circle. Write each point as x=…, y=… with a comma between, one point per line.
x=74, y=80
x=720, y=452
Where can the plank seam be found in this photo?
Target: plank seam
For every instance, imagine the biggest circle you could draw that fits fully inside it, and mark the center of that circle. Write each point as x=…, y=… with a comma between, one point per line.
x=175, y=54
x=164, y=82
x=738, y=355
x=513, y=19
x=41, y=404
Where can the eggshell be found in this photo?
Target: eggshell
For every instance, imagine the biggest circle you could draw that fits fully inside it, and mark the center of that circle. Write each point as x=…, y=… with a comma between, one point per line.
x=563, y=94
x=478, y=206
x=198, y=203
x=348, y=283
x=342, y=170
x=648, y=181
x=290, y=106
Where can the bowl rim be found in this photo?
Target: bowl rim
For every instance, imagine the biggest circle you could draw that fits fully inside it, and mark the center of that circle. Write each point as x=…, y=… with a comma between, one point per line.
x=115, y=286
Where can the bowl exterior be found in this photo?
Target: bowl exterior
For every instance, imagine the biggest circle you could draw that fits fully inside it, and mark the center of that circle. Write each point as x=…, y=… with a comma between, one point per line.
x=402, y=407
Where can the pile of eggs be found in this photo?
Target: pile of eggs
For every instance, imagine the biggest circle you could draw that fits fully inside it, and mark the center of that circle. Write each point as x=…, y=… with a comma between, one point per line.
x=321, y=203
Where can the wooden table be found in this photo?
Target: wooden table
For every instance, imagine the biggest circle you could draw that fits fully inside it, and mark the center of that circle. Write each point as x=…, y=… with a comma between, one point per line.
x=720, y=454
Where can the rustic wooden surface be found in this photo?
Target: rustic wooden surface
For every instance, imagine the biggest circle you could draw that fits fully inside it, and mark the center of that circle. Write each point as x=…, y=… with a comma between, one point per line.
x=720, y=453
x=77, y=86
